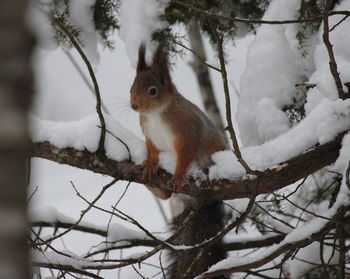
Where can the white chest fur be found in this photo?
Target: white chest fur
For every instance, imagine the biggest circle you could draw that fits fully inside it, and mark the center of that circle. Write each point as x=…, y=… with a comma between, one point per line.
x=158, y=131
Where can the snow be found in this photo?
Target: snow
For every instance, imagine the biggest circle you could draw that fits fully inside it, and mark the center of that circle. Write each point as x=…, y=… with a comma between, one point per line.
x=260, y=116
x=300, y=233
x=119, y=232
x=267, y=85
x=85, y=134
x=138, y=20
x=81, y=12
x=344, y=156
x=81, y=16
x=267, y=80
x=311, y=253
x=323, y=123
x=49, y=214
x=40, y=25
x=55, y=258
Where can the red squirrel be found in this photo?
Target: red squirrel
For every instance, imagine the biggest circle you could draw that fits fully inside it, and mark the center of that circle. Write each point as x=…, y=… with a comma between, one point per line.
x=169, y=121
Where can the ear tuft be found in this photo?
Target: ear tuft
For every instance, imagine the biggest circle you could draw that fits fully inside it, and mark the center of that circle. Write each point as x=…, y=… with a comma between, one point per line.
x=160, y=65
x=141, y=63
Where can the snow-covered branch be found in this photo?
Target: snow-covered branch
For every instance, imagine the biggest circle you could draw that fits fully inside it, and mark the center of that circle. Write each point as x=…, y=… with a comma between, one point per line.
x=298, y=238
x=271, y=179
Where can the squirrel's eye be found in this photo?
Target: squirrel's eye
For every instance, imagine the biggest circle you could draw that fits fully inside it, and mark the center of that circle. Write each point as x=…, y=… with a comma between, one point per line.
x=152, y=91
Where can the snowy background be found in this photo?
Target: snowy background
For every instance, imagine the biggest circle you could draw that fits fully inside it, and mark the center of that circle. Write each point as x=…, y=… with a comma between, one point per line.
x=63, y=96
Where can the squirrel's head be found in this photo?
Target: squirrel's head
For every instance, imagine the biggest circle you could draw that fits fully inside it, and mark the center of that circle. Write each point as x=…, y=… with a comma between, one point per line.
x=152, y=87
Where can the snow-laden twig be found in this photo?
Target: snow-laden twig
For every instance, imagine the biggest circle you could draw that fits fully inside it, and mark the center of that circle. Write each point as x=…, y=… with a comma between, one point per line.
x=65, y=30
x=229, y=128
x=298, y=238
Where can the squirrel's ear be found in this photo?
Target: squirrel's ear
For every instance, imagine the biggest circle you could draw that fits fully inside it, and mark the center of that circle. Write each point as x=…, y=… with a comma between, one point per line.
x=160, y=65
x=141, y=63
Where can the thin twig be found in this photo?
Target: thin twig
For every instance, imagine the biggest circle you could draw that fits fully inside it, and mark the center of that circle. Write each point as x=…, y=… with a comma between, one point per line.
x=339, y=22
x=257, y=21
x=104, y=188
x=342, y=251
x=33, y=193
x=198, y=57
x=57, y=21
x=332, y=62
x=347, y=176
x=230, y=129
x=66, y=268
x=207, y=244
x=121, y=141
x=323, y=263
x=161, y=265
x=84, y=78
x=116, y=212
x=279, y=249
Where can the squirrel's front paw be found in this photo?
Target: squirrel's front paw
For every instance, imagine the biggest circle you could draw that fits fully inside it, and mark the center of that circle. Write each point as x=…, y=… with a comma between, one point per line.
x=149, y=170
x=177, y=182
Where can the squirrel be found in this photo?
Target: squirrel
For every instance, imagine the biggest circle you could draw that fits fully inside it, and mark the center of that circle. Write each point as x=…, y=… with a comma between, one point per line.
x=170, y=122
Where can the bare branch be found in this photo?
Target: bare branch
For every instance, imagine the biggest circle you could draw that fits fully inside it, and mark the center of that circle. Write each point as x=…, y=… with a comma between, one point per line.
x=256, y=21
x=104, y=189
x=332, y=62
x=66, y=268
x=342, y=251
x=67, y=225
x=57, y=21
x=229, y=128
x=282, y=248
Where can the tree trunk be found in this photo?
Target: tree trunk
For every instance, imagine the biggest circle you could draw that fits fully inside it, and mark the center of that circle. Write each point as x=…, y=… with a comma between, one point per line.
x=15, y=95
x=203, y=76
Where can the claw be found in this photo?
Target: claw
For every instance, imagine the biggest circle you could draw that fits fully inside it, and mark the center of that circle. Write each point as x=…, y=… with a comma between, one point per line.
x=178, y=181
x=149, y=170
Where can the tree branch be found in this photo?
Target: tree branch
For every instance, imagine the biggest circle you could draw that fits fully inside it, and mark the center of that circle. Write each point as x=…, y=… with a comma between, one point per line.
x=57, y=21
x=270, y=180
x=332, y=62
x=229, y=128
x=260, y=261
x=257, y=21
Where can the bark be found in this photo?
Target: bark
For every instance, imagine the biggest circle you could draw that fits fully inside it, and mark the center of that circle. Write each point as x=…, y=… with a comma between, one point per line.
x=268, y=181
x=15, y=95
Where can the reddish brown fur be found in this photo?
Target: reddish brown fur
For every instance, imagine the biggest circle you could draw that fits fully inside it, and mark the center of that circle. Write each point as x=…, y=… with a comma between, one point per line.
x=196, y=138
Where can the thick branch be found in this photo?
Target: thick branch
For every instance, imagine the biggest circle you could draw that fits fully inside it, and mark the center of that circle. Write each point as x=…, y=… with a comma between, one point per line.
x=270, y=180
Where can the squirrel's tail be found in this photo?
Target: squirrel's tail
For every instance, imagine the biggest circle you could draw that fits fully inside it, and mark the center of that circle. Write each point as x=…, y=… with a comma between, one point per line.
x=195, y=225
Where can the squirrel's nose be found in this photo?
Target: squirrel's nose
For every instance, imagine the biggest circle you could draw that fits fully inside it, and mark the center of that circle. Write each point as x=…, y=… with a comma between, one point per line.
x=134, y=107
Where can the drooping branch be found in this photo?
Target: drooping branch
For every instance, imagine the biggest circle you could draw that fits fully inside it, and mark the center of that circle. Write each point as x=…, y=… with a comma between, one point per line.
x=270, y=180
x=135, y=242
x=280, y=249
x=256, y=21
x=74, y=41
x=332, y=63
